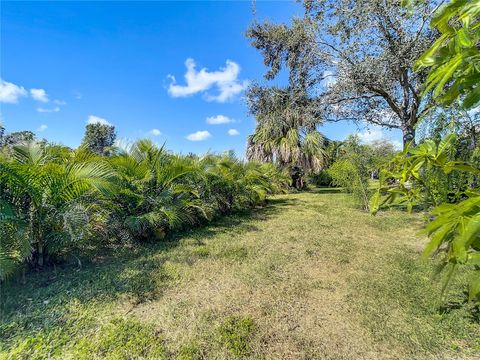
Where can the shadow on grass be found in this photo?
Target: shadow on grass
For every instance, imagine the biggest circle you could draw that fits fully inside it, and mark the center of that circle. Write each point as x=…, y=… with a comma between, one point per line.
x=327, y=190
x=139, y=273
x=461, y=302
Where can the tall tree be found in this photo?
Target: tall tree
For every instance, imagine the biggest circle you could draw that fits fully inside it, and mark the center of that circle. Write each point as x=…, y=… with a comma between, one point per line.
x=286, y=131
x=99, y=137
x=355, y=59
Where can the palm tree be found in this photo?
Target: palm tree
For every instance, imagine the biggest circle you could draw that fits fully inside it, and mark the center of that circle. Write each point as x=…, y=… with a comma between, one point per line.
x=41, y=208
x=286, y=132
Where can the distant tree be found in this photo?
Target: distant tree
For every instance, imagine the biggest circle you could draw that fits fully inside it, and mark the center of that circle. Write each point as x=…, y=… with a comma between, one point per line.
x=17, y=138
x=355, y=59
x=58, y=153
x=352, y=169
x=2, y=134
x=99, y=138
x=286, y=132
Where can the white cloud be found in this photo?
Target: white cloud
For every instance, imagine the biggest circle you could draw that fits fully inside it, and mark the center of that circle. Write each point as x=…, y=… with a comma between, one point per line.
x=92, y=119
x=199, y=136
x=225, y=80
x=370, y=135
x=219, y=119
x=39, y=95
x=155, y=132
x=376, y=133
x=233, y=132
x=9, y=92
x=45, y=110
x=59, y=102
x=42, y=127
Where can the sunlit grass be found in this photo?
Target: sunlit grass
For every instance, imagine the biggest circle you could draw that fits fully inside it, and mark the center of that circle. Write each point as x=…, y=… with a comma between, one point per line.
x=309, y=276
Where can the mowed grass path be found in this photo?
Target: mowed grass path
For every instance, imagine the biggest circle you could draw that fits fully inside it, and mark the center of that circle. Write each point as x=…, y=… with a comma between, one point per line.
x=307, y=277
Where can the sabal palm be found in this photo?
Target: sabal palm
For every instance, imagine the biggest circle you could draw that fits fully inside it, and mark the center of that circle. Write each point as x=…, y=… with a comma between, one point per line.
x=286, y=132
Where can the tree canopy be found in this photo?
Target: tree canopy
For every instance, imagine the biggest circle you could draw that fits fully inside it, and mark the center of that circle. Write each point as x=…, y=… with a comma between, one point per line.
x=99, y=137
x=355, y=60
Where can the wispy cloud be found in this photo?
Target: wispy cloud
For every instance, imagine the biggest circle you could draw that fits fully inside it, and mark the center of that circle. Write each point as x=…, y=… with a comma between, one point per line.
x=59, y=102
x=42, y=127
x=219, y=119
x=39, y=95
x=92, y=119
x=199, y=135
x=155, y=132
x=224, y=80
x=10, y=93
x=233, y=132
x=45, y=110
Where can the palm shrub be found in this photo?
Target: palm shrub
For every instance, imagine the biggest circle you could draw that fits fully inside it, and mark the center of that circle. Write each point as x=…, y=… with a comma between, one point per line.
x=236, y=185
x=42, y=211
x=158, y=192
x=54, y=200
x=225, y=183
x=153, y=193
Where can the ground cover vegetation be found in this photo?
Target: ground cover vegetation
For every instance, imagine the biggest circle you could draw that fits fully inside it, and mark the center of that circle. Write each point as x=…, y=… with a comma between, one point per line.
x=287, y=281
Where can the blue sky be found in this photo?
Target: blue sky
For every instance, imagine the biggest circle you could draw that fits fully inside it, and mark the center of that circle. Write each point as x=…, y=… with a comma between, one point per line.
x=66, y=63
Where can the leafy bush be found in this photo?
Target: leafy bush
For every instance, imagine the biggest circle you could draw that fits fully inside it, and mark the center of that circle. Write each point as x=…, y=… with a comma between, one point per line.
x=455, y=228
x=321, y=179
x=353, y=177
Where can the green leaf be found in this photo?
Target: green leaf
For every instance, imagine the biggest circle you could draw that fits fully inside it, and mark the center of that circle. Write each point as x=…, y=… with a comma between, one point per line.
x=474, y=291
x=374, y=203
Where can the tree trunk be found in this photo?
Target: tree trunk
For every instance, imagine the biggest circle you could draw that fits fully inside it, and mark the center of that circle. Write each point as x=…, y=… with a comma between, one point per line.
x=40, y=254
x=408, y=135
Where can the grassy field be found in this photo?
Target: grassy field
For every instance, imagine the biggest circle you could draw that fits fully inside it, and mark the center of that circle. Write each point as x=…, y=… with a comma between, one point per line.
x=307, y=277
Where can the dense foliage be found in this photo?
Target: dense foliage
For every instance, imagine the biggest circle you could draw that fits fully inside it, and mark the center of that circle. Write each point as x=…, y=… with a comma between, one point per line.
x=445, y=174
x=55, y=201
x=99, y=137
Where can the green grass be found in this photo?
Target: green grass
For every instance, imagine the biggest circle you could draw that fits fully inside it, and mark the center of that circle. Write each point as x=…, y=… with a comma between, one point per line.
x=309, y=276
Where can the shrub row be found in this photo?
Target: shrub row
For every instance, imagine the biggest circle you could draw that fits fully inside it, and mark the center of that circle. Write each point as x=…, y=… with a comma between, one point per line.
x=54, y=203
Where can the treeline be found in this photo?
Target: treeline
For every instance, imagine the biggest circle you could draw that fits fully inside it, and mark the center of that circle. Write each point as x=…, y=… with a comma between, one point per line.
x=56, y=201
